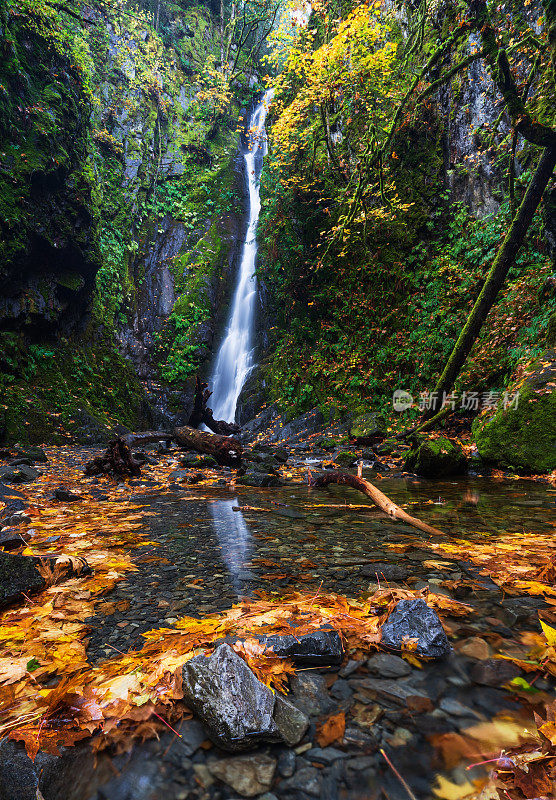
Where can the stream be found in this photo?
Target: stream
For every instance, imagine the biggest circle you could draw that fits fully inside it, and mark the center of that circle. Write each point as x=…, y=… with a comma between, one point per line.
x=206, y=554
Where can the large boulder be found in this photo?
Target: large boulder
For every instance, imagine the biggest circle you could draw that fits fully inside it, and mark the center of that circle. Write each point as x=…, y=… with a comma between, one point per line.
x=20, y=473
x=414, y=619
x=523, y=435
x=436, y=458
x=237, y=709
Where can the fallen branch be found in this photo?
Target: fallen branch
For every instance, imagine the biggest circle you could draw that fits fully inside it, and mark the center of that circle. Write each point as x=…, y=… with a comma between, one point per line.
x=224, y=449
x=378, y=498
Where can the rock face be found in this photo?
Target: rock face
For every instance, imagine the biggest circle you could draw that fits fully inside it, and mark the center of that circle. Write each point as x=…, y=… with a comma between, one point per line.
x=18, y=575
x=523, y=435
x=414, y=619
x=237, y=709
x=436, y=458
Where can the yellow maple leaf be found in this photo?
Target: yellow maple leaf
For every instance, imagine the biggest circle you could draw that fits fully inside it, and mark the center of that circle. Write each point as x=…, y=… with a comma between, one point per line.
x=549, y=632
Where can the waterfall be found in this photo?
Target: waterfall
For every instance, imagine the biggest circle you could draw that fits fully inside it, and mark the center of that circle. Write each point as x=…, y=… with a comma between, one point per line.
x=234, y=361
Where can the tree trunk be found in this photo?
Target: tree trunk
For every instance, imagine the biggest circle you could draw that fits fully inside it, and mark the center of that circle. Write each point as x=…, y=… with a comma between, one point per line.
x=224, y=449
x=503, y=261
x=117, y=460
x=203, y=414
x=378, y=498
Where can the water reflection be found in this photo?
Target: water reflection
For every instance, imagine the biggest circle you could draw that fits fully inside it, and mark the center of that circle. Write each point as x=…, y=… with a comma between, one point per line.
x=234, y=537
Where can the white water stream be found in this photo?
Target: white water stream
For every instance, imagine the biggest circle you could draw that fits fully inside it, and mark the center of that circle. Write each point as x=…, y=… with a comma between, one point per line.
x=235, y=357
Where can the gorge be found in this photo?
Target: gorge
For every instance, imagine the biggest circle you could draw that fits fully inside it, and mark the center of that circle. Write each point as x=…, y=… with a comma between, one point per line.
x=330, y=227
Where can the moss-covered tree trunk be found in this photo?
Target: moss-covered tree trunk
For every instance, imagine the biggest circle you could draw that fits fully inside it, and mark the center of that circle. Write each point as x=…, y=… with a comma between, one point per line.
x=504, y=260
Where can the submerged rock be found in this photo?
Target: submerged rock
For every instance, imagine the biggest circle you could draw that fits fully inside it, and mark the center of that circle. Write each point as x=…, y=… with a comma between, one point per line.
x=413, y=619
x=436, y=458
x=65, y=495
x=248, y=775
x=523, y=435
x=236, y=708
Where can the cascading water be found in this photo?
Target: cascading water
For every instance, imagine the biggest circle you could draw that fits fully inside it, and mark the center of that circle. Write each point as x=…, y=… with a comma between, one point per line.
x=235, y=357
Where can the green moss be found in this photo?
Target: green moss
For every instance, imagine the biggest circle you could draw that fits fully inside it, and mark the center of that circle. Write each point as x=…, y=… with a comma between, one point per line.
x=436, y=458
x=523, y=435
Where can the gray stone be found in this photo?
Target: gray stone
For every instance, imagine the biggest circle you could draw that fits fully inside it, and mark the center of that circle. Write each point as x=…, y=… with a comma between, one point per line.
x=384, y=572
x=66, y=495
x=306, y=779
x=249, y=775
x=19, y=575
x=20, y=474
x=494, y=672
x=33, y=453
x=224, y=693
x=291, y=721
x=388, y=666
x=355, y=737
x=341, y=690
x=192, y=735
x=12, y=538
x=322, y=647
x=326, y=755
x=349, y=668
x=415, y=620
x=309, y=694
x=286, y=763
x=392, y=689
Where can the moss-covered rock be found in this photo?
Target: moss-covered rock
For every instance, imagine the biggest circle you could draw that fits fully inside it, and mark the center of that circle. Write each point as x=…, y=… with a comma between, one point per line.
x=345, y=458
x=523, y=435
x=436, y=458
x=368, y=427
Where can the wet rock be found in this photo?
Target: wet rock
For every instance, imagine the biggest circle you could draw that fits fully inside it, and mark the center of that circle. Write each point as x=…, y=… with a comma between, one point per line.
x=322, y=647
x=494, y=672
x=309, y=693
x=192, y=735
x=235, y=707
x=306, y=779
x=65, y=495
x=286, y=763
x=349, y=668
x=475, y=647
x=12, y=538
x=415, y=620
x=325, y=755
x=345, y=459
x=19, y=575
x=384, y=571
x=248, y=775
x=254, y=477
x=388, y=666
x=33, y=453
x=362, y=740
x=436, y=458
x=290, y=720
x=198, y=461
x=20, y=474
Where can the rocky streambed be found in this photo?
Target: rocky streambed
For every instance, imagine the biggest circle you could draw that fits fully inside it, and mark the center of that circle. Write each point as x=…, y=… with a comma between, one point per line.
x=217, y=541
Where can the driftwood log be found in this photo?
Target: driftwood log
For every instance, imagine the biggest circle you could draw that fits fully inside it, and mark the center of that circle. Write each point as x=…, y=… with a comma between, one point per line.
x=202, y=414
x=224, y=449
x=118, y=460
x=378, y=498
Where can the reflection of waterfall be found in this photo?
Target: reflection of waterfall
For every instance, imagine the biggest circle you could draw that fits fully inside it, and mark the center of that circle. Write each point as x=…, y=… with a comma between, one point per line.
x=233, y=536
x=235, y=357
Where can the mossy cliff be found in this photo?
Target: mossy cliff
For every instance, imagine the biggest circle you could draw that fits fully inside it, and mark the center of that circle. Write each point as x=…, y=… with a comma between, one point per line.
x=120, y=206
